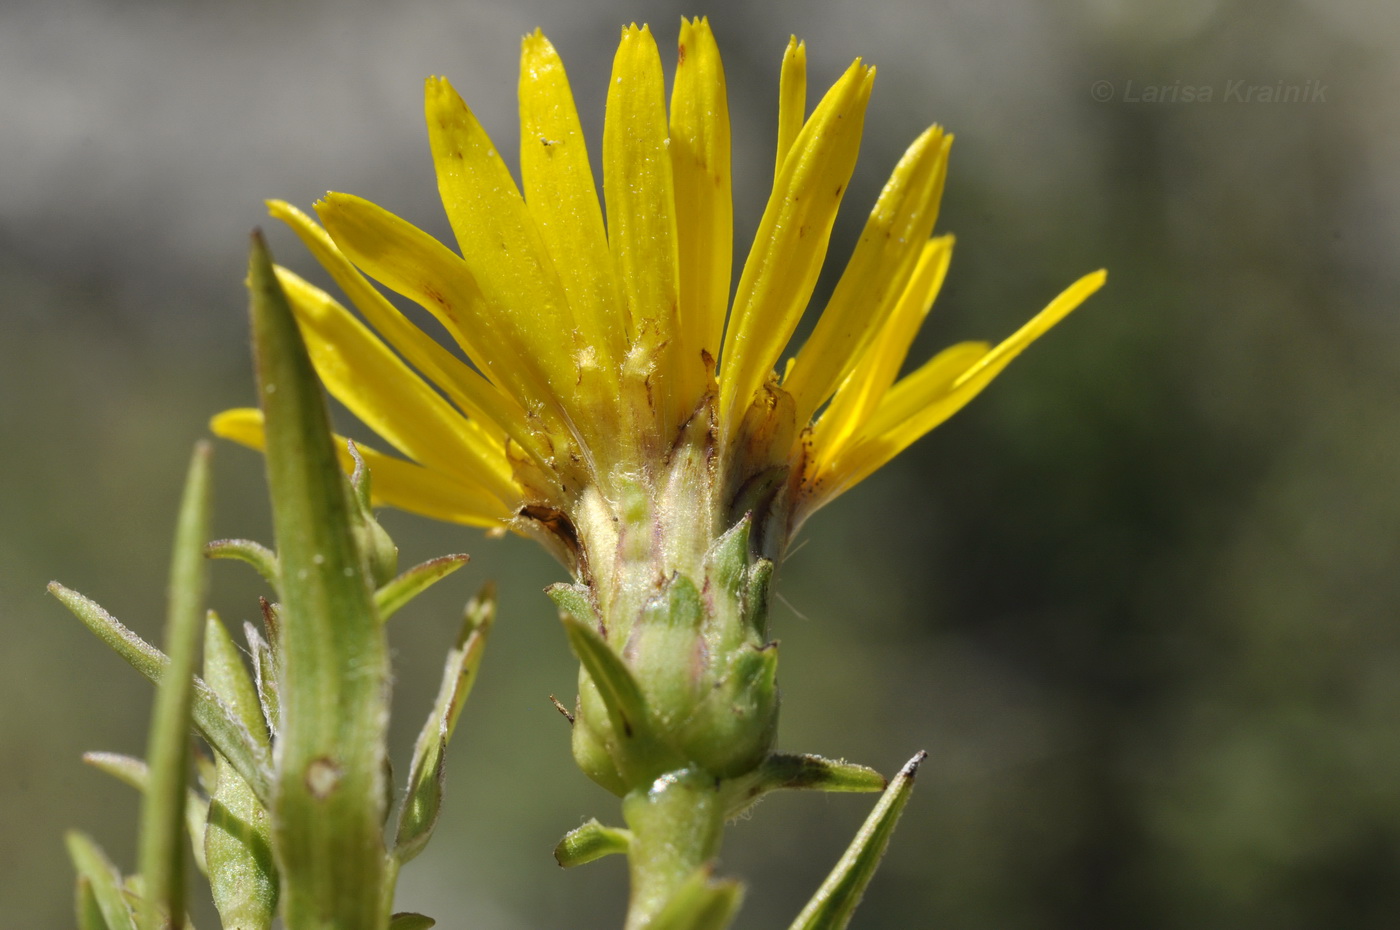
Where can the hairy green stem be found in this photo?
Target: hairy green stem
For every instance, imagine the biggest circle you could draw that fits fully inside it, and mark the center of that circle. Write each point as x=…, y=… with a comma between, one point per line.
x=677, y=826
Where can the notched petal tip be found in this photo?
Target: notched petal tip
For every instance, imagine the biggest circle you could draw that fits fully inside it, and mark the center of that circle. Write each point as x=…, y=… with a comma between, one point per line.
x=537, y=51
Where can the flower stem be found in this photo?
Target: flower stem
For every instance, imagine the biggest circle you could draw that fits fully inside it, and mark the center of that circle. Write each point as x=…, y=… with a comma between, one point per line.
x=677, y=825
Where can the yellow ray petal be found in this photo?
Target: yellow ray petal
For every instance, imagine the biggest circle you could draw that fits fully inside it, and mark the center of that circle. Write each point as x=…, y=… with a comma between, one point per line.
x=640, y=194
x=921, y=398
x=413, y=263
x=700, y=154
x=490, y=411
x=393, y=482
x=863, y=389
x=499, y=242
x=562, y=199
x=792, y=100
x=935, y=392
x=388, y=397
x=1010, y=347
x=876, y=275
x=925, y=390
x=791, y=242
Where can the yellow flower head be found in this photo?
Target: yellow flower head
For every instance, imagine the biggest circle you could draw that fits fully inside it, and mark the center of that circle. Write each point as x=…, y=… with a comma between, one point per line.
x=602, y=379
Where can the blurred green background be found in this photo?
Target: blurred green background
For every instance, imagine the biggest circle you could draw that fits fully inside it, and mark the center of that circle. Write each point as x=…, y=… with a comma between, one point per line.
x=1140, y=601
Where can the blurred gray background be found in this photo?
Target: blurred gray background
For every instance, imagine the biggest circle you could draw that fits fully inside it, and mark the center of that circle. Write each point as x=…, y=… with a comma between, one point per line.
x=1140, y=601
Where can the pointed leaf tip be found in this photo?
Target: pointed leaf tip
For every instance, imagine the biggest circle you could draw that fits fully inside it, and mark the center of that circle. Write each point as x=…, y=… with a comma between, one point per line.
x=836, y=900
x=398, y=592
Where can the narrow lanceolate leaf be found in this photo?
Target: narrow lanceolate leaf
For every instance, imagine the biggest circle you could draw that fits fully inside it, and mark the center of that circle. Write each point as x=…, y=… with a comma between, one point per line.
x=89, y=912
x=228, y=676
x=263, y=559
x=406, y=920
x=700, y=904
x=398, y=592
x=264, y=678
x=425, y=780
x=237, y=842
x=589, y=842
x=104, y=881
x=161, y=845
x=218, y=724
x=133, y=772
x=333, y=664
x=781, y=771
x=836, y=900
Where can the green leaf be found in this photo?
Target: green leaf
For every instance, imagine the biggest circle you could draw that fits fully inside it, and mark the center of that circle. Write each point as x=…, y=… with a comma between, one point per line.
x=237, y=841
x=405, y=920
x=243, y=877
x=398, y=592
x=381, y=556
x=332, y=659
x=575, y=600
x=264, y=678
x=128, y=770
x=263, y=559
x=160, y=844
x=589, y=842
x=621, y=694
x=216, y=722
x=89, y=912
x=104, y=881
x=133, y=772
x=228, y=676
x=836, y=900
x=782, y=771
x=423, y=802
x=700, y=904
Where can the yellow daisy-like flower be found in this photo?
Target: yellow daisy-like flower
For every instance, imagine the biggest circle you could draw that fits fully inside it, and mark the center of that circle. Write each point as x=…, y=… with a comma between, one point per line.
x=616, y=405
x=596, y=343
